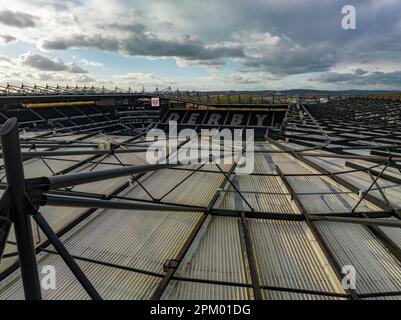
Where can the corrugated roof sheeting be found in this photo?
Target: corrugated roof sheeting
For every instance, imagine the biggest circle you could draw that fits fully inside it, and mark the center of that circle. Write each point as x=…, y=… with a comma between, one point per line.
x=262, y=166
x=198, y=190
x=106, y=186
x=259, y=202
x=337, y=201
x=288, y=165
x=384, y=298
x=319, y=195
x=264, y=193
x=59, y=217
x=137, y=239
x=219, y=255
x=39, y=167
x=333, y=203
x=310, y=184
x=158, y=183
x=266, y=184
x=288, y=256
x=283, y=295
x=376, y=269
x=9, y=249
x=6, y=263
x=137, y=158
x=212, y=167
x=111, y=283
x=286, y=253
x=394, y=234
x=184, y=290
x=362, y=180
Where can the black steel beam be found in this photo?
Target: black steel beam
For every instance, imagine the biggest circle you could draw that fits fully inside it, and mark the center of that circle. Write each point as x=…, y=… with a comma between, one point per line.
x=384, y=176
x=253, y=269
x=87, y=177
x=19, y=212
x=360, y=220
x=84, y=202
x=65, y=255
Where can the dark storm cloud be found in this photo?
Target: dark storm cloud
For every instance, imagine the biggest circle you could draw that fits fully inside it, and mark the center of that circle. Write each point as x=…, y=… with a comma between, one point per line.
x=315, y=26
x=4, y=38
x=43, y=63
x=17, y=19
x=81, y=41
x=148, y=44
x=184, y=46
x=363, y=78
x=285, y=37
x=305, y=22
x=135, y=27
x=287, y=60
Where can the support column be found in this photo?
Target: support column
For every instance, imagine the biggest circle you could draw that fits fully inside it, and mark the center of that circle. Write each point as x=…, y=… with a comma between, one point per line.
x=22, y=223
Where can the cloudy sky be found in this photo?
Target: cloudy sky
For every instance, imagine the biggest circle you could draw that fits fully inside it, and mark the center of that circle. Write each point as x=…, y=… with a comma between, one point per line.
x=205, y=45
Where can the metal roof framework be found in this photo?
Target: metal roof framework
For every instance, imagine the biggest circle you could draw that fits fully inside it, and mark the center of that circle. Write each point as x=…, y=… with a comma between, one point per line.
x=315, y=133
x=195, y=97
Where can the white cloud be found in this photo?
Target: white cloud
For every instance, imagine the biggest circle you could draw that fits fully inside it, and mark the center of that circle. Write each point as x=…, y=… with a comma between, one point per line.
x=139, y=79
x=31, y=67
x=83, y=78
x=17, y=19
x=244, y=79
x=91, y=63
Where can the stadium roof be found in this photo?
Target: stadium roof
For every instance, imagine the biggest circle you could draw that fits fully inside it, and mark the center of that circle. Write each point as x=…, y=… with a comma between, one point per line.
x=324, y=196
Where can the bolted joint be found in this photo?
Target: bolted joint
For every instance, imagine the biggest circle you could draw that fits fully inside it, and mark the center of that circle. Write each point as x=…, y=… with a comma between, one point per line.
x=37, y=184
x=34, y=196
x=170, y=264
x=34, y=201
